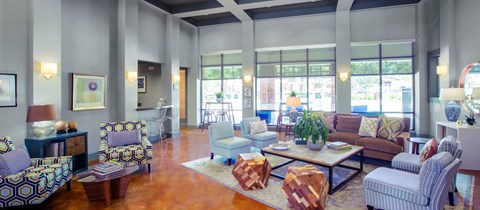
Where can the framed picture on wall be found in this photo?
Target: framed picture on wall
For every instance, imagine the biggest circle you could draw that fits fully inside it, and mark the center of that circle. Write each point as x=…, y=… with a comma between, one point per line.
x=142, y=84
x=8, y=90
x=89, y=92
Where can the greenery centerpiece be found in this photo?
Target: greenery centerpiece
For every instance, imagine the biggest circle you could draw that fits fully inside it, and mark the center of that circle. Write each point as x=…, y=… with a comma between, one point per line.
x=219, y=96
x=311, y=129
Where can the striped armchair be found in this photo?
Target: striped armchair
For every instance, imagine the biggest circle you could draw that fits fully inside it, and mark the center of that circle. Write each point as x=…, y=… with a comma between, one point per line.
x=130, y=155
x=37, y=182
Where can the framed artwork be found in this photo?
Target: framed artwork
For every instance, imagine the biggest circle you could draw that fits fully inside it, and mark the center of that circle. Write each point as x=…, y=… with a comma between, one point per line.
x=89, y=92
x=247, y=103
x=247, y=91
x=8, y=90
x=142, y=84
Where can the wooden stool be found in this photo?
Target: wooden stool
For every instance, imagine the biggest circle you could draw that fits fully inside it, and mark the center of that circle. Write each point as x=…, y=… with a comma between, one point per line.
x=252, y=171
x=306, y=187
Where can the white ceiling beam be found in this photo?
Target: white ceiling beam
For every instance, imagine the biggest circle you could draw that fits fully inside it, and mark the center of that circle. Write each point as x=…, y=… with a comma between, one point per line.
x=201, y=12
x=274, y=3
x=232, y=6
x=344, y=5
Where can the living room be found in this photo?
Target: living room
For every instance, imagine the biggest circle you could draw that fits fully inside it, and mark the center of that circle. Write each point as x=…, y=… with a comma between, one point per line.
x=358, y=57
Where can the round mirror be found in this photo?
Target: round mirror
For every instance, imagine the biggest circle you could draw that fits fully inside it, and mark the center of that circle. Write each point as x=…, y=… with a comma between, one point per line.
x=470, y=81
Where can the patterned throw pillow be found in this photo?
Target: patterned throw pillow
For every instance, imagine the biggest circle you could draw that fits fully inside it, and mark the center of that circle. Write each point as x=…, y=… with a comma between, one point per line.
x=429, y=150
x=368, y=127
x=6, y=145
x=390, y=127
x=258, y=127
x=448, y=144
x=328, y=121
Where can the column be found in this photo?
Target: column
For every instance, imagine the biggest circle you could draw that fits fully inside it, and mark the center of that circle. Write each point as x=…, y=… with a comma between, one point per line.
x=343, y=55
x=171, y=69
x=248, y=65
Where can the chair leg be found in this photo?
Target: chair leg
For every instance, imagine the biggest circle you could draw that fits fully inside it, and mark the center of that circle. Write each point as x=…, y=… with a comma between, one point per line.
x=370, y=207
x=149, y=168
x=456, y=190
x=451, y=198
x=229, y=161
x=211, y=155
x=69, y=185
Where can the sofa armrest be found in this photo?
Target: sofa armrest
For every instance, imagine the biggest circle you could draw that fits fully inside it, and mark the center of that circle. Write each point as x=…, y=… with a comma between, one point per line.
x=146, y=143
x=53, y=160
x=103, y=151
x=402, y=139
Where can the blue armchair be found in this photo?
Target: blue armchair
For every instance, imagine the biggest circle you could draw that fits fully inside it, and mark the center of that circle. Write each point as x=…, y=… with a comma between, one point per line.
x=259, y=140
x=37, y=182
x=224, y=142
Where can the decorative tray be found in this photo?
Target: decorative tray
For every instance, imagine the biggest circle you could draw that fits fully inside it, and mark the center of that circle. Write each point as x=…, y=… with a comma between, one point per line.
x=280, y=147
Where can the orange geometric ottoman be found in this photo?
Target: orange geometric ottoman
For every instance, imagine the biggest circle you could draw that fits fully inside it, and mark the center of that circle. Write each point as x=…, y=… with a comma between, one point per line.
x=252, y=171
x=306, y=187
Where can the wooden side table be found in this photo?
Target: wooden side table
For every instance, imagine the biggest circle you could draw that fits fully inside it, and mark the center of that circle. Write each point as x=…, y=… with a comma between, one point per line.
x=288, y=130
x=416, y=142
x=252, y=171
x=306, y=187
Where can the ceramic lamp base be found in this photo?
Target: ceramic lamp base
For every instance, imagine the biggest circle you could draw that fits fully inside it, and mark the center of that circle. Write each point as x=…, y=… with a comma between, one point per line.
x=41, y=129
x=293, y=115
x=452, y=111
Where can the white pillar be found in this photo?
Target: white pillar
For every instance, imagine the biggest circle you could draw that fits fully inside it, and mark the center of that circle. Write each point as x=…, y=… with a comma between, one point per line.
x=248, y=64
x=422, y=109
x=172, y=69
x=343, y=55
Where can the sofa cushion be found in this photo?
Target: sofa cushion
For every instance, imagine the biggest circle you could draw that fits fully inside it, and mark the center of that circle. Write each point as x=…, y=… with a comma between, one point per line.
x=14, y=161
x=120, y=138
x=368, y=127
x=390, y=127
x=348, y=123
x=232, y=143
x=349, y=138
x=448, y=144
x=393, y=182
x=6, y=145
x=258, y=127
x=431, y=169
x=328, y=121
x=428, y=150
x=263, y=136
x=407, y=162
x=379, y=144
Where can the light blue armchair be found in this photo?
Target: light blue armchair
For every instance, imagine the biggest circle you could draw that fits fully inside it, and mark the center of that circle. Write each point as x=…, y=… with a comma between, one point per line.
x=387, y=188
x=224, y=142
x=259, y=140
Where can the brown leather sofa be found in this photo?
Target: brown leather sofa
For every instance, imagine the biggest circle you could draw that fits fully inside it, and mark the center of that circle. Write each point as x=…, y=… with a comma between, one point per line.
x=347, y=126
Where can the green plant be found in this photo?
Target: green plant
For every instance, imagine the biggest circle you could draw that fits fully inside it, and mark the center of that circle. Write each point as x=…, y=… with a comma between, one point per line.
x=219, y=94
x=293, y=93
x=311, y=126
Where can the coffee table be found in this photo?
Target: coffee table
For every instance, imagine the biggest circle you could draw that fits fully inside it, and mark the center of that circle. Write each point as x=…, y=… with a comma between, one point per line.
x=105, y=189
x=326, y=157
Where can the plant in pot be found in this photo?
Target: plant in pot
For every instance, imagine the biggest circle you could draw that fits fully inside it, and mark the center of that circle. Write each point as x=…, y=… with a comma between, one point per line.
x=219, y=96
x=311, y=130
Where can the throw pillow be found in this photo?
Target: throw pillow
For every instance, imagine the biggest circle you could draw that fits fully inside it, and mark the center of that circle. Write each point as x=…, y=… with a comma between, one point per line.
x=122, y=138
x=448, y=144
x=258, y=127
x=429, y=150
x=14, y=161
x=6, y=145
x=348, y=123
x=390, y=127
x=368, y=127
x=328, y=121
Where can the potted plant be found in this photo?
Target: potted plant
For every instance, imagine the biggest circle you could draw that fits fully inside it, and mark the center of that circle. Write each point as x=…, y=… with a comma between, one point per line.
x=219, y=96
x=293, y=93
x=310, y=129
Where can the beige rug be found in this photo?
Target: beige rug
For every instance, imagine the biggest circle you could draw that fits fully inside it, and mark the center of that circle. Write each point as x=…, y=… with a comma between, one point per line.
x=349, y=197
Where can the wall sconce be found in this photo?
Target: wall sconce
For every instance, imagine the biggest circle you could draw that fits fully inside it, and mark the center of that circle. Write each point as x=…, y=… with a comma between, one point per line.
x=442, y=71
x=48, y=70
x=247, y=79
x=132, y=76
x=343, y=76
x=176, y=82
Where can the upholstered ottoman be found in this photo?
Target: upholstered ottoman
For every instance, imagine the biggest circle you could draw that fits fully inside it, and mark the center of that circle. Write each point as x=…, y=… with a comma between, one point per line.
x=306, y=187
x=252, y=171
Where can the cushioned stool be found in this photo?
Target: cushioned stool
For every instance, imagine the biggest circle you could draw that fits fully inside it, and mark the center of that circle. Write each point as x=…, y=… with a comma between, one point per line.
x=306, y=187
x=252, y=171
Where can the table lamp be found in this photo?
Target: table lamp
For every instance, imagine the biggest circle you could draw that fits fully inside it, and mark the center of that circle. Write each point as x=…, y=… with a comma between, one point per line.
x=452, y=109
x=293, y=102
x=42, y=116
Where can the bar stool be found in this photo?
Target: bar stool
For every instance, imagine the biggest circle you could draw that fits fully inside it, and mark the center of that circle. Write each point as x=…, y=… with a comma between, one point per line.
x=208, y=118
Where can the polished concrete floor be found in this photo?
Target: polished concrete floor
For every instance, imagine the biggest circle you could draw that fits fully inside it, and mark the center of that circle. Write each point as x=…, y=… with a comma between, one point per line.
x=172, y=186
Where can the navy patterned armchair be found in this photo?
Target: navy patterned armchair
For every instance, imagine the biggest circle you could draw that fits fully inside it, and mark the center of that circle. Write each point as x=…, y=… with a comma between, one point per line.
x=37, y=182
x=128, y=155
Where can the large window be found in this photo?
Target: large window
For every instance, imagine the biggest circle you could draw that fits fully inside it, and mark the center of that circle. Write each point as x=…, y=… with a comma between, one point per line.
x=382, y=80
x=223, y=72
x=309, y=72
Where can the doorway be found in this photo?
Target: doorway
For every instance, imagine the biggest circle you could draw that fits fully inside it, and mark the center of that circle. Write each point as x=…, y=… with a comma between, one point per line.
x=183, y=95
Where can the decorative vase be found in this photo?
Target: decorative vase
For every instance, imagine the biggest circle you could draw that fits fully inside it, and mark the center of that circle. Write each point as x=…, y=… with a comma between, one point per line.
x=452, y=111
x=317, y=146
x=219, y=100
x=300, y=142
x=293, y=115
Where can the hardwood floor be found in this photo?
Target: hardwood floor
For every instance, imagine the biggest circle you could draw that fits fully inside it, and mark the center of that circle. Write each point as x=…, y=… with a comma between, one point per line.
x=172, y=186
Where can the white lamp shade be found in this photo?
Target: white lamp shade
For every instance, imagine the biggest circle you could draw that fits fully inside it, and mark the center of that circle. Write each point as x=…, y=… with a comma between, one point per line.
x=48, y=70
x=476, y=93
x=442, y=70
x=452, y=94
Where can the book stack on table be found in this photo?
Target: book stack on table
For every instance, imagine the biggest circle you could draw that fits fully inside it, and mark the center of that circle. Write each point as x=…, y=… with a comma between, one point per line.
x=338, y=145
x=106, y=169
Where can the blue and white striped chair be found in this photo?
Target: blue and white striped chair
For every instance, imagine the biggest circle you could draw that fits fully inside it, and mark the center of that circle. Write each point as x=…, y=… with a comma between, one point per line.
x=224, y=142
x=387, y=188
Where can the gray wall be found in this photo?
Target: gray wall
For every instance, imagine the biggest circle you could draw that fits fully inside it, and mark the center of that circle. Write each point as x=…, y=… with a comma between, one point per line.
x=220, y=38
x=151, y=33
x=154, y=90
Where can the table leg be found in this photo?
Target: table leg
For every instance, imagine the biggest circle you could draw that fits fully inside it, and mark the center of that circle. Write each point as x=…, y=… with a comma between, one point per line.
x=108, y=194
x=361, y=160
x=330, y=180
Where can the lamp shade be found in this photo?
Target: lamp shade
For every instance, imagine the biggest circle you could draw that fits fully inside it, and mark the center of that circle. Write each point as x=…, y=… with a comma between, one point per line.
x=452, y=94
x=37, y=113
x=476, y=93
x=293, y=101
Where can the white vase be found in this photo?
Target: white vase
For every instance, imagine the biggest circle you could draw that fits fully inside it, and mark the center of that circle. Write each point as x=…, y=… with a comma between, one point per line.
x=317, y=146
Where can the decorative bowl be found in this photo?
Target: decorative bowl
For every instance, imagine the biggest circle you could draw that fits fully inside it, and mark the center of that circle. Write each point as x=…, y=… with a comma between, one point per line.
x=280, y=147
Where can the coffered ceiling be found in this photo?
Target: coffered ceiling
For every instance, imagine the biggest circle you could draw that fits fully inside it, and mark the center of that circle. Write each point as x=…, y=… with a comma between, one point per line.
x=210, y=12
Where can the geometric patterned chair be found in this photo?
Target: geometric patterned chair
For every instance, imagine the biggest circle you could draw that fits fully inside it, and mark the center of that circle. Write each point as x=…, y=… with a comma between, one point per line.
x=128, y=155
x=259, y=140
x=387, y=188
x=37, y=182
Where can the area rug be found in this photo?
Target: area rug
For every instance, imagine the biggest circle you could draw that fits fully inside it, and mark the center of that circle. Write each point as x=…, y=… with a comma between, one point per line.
x=349, y=197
